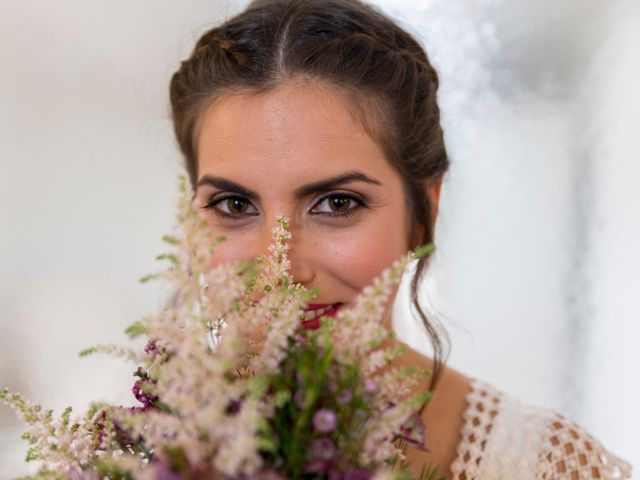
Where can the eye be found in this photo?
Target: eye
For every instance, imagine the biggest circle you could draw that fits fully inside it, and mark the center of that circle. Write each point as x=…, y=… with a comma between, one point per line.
x=338, y=205
x=232, y=206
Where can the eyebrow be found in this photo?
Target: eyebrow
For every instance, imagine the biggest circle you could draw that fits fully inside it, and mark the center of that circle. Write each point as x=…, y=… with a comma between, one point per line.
x=301, y=192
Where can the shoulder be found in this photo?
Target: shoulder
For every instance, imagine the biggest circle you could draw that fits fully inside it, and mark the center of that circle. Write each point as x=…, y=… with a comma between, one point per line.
x=502, y=437
x=443, y=418
x=476, y=431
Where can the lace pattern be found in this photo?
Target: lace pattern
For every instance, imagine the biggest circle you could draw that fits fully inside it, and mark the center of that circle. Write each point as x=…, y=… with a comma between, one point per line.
x=571, y=452
x=502, y=438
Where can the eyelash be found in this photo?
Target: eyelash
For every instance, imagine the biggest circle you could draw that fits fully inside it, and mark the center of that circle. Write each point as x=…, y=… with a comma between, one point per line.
x=211, y=205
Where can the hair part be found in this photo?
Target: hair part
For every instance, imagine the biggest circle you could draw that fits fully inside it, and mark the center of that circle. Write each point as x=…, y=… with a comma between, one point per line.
x=350, y=47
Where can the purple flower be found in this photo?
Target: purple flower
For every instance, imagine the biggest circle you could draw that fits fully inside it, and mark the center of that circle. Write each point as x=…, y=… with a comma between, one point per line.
x=334, y=474
x=138, y=391
x=356, y=474
x=324, y=420
x=332, y=386
x=266, y=474
x=370, y=386
x=234, y=407
x=345, y=396
x=100, y=427
x=76, y=474
x=413, y=431
x=317, y=466
x=151, y=348
x=298, y=398
x=322, y=449
x=163, y=471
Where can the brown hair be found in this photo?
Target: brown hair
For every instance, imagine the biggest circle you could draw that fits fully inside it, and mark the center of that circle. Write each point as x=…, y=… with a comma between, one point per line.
x=351, y=47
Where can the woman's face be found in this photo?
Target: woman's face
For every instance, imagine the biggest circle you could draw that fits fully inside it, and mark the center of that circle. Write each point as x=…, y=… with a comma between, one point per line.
x=298, y=152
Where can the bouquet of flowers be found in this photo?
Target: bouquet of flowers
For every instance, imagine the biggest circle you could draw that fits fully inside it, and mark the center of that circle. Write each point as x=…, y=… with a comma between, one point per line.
x=235, y=383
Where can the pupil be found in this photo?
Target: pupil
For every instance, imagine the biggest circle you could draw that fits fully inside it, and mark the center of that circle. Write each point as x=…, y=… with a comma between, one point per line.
x=340, y=203
x=237, y=205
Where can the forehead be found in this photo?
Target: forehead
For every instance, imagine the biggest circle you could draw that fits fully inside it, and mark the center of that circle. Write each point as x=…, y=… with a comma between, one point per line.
x=298, y=127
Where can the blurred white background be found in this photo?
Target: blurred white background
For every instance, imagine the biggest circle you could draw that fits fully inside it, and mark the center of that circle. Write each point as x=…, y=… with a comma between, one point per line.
x=535, y=276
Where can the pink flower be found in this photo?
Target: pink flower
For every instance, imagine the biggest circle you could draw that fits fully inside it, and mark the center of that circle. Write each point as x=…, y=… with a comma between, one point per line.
x=324, y=420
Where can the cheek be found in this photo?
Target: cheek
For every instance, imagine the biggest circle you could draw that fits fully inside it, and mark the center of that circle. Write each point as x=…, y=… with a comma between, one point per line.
x=358, y=257
x=232, y=249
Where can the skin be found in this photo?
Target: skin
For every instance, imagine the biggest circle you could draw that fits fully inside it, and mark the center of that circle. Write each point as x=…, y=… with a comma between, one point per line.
x=274, y=143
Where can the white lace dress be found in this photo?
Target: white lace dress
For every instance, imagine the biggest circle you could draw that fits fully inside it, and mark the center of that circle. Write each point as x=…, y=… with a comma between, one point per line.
x=502, y=438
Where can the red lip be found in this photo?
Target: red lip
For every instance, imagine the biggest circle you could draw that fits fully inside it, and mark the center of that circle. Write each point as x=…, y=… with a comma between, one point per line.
x=318, y=306
x=315, y=306
x=314, y=323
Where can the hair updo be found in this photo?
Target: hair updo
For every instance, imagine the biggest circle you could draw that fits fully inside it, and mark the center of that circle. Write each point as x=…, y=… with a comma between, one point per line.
x=351, y=47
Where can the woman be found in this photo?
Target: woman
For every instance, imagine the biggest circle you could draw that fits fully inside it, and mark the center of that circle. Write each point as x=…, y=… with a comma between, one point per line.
x=325, y=111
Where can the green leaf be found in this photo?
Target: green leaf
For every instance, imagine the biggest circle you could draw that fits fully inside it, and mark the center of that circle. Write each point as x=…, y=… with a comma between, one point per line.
x=311, y=293
x=170, y=240
x=171, y=257
x=94, y=408
x=148, y=277
x=33, y=453
x=135, y=330
x=109, y=469
x=423, y=250
x=177, y=458
x=66, y=415
x=258, y=385
x=88, y=351
x=282, y=397
x=426, y=373
x=267, y=444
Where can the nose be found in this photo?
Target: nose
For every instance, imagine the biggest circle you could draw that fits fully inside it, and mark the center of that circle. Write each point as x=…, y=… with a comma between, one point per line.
x=302, y=271
x=301, y=256
x=302, y=268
